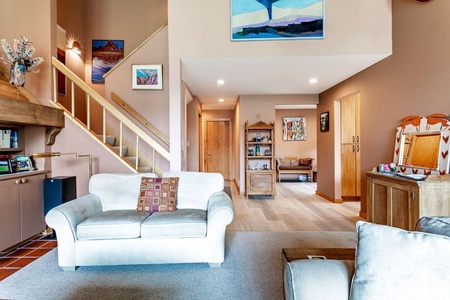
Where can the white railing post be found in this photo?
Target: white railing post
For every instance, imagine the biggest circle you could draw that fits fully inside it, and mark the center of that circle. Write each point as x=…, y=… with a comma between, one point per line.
x=88, y=112
x=55, y=85
x=120, y=139
x=104, y=125
x=153, y=160
x=73, y=99
x=137, y=152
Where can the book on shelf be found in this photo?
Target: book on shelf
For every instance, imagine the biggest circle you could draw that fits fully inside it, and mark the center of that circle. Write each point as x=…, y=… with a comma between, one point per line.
x=5, y=141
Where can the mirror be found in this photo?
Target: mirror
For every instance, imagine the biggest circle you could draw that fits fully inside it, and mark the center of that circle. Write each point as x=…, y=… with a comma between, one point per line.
x=420, y=150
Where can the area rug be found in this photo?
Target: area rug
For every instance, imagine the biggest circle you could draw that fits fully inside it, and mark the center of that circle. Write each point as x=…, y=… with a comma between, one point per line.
x=252, y=270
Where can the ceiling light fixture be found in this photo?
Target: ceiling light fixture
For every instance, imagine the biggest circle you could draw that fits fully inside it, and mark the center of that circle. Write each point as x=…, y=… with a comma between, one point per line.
x=221, y=100
x=313, y=80
x=220, y=82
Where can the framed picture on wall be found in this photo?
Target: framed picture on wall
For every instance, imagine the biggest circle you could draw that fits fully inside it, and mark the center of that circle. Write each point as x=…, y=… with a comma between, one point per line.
x=146, y=77
x=324, y=121
x=105, y=55
x=294, y=129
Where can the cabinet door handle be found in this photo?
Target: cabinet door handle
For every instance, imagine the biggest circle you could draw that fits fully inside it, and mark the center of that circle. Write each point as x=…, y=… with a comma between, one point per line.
x=353, y=139
x=357, y=139
x=357, y=148
x=353, y=148
x=23, y=180
x=17, y=181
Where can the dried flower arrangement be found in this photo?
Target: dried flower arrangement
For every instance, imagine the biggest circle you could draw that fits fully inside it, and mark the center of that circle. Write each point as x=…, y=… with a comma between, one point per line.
x=20, y=60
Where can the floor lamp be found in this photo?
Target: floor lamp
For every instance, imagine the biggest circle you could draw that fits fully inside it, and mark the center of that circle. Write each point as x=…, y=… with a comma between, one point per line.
x=57, y=154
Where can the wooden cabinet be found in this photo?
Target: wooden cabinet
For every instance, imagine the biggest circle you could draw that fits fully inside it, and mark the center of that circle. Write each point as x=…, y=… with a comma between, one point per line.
x=21, y=207
x=400, y=202
x=260, y=165
x=350, y=148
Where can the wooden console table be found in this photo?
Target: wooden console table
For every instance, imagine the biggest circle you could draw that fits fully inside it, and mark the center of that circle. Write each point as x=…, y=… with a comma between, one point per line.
x=400, y=202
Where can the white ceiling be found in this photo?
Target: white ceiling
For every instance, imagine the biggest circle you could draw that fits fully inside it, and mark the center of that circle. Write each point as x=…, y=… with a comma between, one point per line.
x=274, y=76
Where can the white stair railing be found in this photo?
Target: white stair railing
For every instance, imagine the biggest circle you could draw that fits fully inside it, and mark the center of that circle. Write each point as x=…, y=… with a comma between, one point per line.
x=107, y=108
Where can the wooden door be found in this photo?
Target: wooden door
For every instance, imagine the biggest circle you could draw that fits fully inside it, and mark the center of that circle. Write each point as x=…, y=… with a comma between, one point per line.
x=217, y=148
x=350, y=148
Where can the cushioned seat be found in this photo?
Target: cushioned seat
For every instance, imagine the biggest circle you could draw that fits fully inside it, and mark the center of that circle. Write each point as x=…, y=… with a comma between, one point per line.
x=112, y=224
x=180, y=223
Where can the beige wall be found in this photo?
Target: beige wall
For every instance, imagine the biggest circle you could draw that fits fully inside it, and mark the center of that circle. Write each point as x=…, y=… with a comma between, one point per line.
x=413, y=81
x=201, y=29
x=302, y=149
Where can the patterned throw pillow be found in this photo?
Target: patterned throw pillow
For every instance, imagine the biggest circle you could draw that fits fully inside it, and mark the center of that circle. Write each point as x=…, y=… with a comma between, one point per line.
x=305, y=162
x=158, y=194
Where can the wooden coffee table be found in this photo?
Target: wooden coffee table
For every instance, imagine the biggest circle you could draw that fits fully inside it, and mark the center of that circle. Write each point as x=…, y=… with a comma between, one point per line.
x=290, y=254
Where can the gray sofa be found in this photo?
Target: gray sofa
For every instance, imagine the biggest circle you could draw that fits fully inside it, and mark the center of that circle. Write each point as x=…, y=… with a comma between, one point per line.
x=105, y=228
x=390, y=264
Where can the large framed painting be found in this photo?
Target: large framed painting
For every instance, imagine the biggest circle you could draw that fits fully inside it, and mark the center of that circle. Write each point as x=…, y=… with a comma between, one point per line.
x=277, y=19
x=294, y=129
x=105, y=55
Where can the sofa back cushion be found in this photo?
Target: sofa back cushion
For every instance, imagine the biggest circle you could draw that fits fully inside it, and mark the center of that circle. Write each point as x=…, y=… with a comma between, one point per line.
x=117, y=191
x=195, y=188
x=392, y=263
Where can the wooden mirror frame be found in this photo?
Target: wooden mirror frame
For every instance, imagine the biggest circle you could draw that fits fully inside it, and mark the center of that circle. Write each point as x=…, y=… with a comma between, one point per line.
x=432, y=124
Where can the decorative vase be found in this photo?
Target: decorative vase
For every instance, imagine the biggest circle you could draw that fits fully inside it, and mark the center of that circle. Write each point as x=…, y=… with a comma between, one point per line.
x=17, y=74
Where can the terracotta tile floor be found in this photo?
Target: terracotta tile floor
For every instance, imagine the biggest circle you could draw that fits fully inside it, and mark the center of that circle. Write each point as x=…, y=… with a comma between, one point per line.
x=17, y=258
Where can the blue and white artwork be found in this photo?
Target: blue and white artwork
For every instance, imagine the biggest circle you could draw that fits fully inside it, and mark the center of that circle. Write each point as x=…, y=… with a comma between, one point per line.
x=277, y=19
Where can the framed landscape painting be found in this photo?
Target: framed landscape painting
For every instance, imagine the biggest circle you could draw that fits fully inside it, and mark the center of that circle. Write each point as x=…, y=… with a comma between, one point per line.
x=294, y=129
x=277, y=19
x=105, y=55
x=146, y=77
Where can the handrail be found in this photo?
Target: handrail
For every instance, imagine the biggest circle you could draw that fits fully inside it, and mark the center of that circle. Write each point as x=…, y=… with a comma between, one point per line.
x=92, y=94
x=136, y=49
x=140, y=118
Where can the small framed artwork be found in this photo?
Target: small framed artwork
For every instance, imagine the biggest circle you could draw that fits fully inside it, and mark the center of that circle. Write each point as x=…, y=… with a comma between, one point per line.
x=324, y=121
x=147, y=77
x=5, y=166
x=294, y=129
x=23, y=163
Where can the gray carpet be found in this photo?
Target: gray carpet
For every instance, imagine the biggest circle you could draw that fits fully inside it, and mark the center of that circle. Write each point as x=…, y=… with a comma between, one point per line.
x=252, y=270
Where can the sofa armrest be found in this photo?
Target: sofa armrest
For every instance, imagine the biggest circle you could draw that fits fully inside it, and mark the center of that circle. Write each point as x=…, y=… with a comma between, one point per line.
x=279, y=163
x=220, y=210
x=64, y=219
x=307, y=279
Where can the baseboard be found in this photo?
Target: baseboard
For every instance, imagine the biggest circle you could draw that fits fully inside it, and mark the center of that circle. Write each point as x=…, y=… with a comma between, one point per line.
x=331, y=199
x=237, y=186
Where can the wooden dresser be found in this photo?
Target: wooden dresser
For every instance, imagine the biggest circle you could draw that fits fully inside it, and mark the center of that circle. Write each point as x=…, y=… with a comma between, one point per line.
x=400, y=202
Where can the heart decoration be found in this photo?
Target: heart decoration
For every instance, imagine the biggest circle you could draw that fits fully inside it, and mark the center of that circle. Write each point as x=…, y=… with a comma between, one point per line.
x=444, y=154
x=415, y=171
x=442, y=172
x=403, y=169
x=445, y=139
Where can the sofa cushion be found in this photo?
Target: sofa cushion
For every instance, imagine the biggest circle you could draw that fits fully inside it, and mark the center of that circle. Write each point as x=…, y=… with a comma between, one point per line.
x=392, y=263
x=181, y=223
x=286, y=162
x=158, y=194
x=112, y=224
x=436, y=225
x=295, y=168
x=196, y=188
x=117, y=191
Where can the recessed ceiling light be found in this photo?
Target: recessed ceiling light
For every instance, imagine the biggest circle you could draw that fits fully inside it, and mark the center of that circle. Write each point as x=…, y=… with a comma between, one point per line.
x=220, y=82
x=221, y=100
x=313, y=80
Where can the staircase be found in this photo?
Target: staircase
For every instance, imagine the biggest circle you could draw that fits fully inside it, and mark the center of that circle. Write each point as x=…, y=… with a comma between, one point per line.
x=111, y=141
x=127, y=152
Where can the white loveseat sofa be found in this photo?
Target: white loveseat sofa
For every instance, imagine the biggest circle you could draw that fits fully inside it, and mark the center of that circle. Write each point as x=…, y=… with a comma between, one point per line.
x=104, y=227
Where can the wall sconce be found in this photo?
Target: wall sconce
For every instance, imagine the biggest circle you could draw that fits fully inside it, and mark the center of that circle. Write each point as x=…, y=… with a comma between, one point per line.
x=57, y=154
x=76, y=47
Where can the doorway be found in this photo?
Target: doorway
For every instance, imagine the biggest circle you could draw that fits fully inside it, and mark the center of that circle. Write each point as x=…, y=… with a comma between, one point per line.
x=218, y=147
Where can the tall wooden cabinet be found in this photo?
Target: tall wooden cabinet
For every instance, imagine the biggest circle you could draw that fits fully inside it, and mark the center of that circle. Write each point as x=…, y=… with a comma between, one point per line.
x=260, y=165
x=350, y=148
x=400, y=202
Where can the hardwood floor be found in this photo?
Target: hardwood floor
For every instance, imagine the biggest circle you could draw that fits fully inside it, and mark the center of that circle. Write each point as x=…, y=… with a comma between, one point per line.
x=296, y=207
